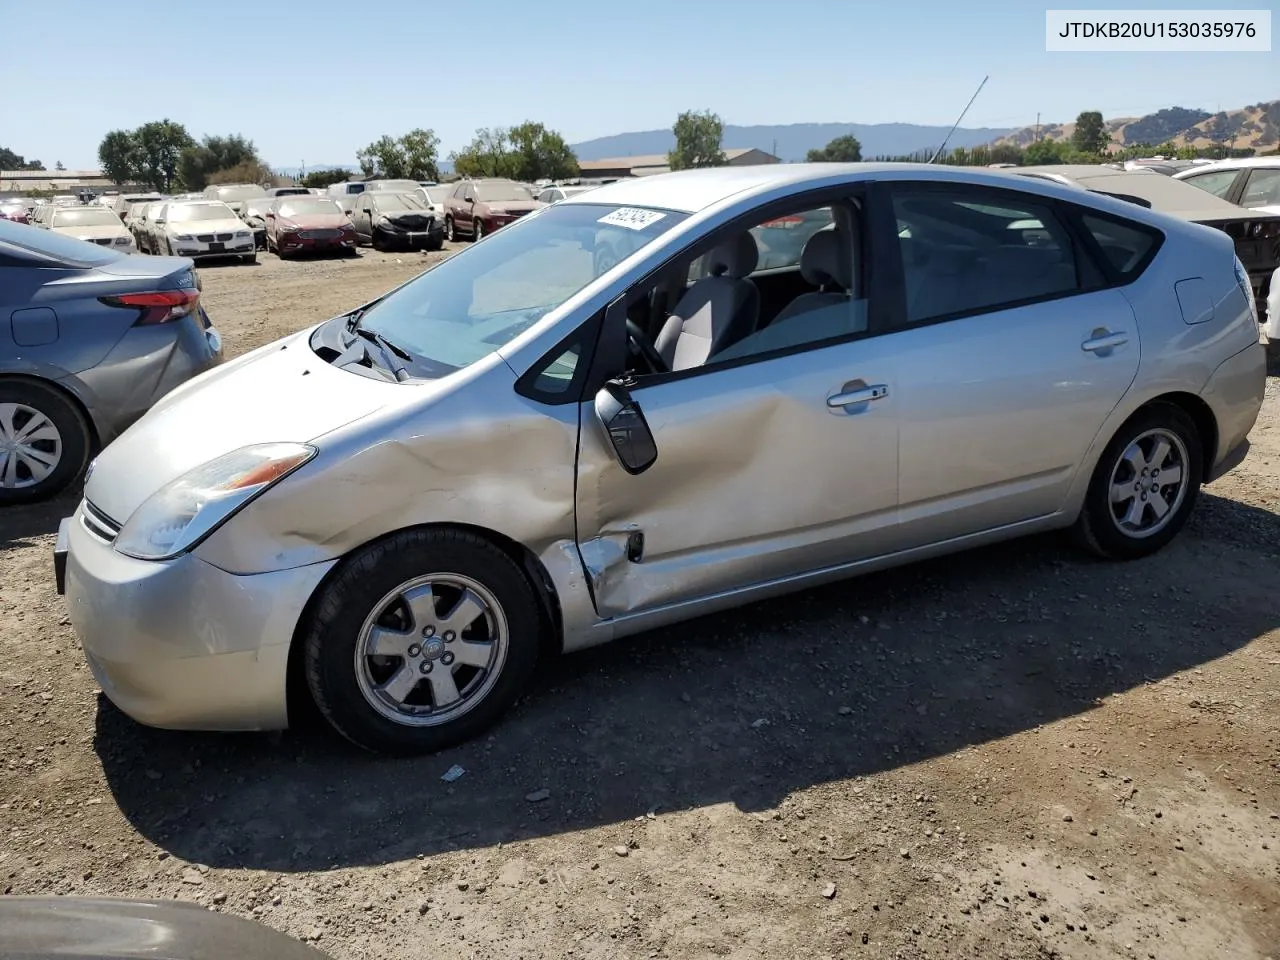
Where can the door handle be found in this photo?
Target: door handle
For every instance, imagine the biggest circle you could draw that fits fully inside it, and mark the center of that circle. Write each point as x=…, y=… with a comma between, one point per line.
x=1105, y=341
x=862, y=395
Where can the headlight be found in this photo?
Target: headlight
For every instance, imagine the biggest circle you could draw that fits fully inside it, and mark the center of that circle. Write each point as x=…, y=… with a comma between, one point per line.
x=184, y=236
x=124, y=241
x=184, y=511
x=243, y=234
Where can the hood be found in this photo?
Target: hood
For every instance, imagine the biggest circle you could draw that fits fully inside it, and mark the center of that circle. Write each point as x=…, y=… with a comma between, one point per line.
x=91, y=233
x=515, y=206
x=318, y=221
x=192, y=227
x=280, y=392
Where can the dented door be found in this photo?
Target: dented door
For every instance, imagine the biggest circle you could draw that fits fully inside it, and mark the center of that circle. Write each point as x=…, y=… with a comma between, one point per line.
x=760, y=475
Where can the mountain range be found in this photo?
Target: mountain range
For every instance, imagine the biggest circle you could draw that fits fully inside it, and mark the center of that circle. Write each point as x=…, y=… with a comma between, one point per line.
x=1256, y=127
x=793, y=140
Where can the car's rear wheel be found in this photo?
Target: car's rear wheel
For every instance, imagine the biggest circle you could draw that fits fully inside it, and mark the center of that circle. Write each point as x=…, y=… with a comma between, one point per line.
x=1144, y=486
x=421, y=641
x=449, y=233
x=44, y=441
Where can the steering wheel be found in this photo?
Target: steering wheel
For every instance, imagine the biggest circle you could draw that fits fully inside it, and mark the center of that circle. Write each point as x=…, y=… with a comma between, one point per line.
x=644, y=346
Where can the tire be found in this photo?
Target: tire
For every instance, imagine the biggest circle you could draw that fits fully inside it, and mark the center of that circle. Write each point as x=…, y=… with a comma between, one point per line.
x=375, y=242
x=450, y=233
x=1124, y=469
x=477, y=230
x=64, y=433
x=347, y=688
x=435, y=245
x=249, y=258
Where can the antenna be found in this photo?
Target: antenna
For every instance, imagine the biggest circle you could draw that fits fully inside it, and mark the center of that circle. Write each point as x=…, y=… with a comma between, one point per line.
x=943, y=145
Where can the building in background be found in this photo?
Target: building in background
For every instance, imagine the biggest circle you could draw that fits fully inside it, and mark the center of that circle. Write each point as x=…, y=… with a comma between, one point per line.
x=22, y=183
x=643, y=166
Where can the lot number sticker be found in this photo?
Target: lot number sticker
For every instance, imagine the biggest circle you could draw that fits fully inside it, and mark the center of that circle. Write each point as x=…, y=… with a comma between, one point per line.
x=631, y=218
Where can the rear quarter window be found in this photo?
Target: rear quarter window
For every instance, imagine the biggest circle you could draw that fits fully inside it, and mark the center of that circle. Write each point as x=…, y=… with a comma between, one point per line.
x=1126, y=247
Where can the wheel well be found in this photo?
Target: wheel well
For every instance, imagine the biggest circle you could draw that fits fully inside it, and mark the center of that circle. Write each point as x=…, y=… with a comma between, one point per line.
x=94, y=440
x=550, y=637
x=1202, y=416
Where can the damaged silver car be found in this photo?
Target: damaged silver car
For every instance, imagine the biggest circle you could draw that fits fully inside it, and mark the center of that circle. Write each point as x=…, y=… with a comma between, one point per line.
x=646, y=403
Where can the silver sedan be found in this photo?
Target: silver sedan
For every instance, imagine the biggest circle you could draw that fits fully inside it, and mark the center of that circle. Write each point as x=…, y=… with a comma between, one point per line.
x=532, y=448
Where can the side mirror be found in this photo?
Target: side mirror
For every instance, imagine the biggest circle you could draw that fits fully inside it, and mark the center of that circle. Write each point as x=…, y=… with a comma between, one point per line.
x=269, y=215
x=628, y=431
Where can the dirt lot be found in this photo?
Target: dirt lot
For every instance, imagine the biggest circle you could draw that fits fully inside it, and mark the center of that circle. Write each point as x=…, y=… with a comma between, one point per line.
x=1015, y=753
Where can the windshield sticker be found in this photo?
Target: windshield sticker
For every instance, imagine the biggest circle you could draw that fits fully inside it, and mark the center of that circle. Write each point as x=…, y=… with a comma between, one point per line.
x=632, y=218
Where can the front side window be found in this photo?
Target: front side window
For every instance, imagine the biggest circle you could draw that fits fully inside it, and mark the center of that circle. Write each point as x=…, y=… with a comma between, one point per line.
x=1217, y=182
x=475, y=302
x=1262, y=189
x=965, y=251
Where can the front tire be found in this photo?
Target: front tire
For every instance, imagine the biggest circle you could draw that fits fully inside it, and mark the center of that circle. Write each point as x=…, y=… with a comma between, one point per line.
x=44, y=442
x=1144, y=486
x=477, y=229
x=422, y=641
x=449, y=233
x=249, y=258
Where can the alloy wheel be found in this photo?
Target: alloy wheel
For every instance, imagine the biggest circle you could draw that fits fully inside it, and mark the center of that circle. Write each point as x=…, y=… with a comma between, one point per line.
x=1148, y=483
x=431, y=649
x=30, y=446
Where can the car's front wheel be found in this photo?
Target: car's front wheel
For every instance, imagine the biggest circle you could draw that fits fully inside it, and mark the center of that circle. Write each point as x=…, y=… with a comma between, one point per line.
x=421, y=641
x=44, y=441
x=449, y=233
x=1144, y=486
x=477, y=229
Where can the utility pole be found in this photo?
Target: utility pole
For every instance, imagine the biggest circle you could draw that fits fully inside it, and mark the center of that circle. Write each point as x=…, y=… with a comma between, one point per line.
x=1037, y=126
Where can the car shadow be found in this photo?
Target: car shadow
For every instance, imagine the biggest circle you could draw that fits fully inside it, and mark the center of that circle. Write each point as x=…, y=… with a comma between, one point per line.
x=745, y=707
x=23, y=521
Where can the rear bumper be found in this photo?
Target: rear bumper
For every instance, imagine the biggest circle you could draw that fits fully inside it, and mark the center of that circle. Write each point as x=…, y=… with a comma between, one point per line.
x=1234, y=393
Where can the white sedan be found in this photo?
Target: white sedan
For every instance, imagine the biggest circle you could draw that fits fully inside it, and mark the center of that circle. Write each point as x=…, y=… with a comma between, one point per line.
x=95, y=224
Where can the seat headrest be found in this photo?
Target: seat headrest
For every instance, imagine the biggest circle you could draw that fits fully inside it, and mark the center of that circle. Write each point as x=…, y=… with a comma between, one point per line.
x=735, y=258
x=823, y=264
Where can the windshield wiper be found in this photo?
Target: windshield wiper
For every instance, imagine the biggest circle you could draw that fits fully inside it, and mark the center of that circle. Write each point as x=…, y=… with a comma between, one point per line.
x=375, y=337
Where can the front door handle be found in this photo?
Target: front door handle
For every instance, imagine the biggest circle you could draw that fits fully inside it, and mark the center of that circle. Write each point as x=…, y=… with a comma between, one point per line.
x=851, y=398
x=1102, y=340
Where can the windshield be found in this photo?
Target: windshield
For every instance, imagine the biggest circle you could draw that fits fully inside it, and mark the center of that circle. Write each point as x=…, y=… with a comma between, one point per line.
x=182, y=212
x=438, y=194
x=500, y=192
x=256, y=208
x=46, y=248
x=391, y=186
x=398, y=201
x=240, y=192
x=303, y=206
x=477, y=301
x=88, y=217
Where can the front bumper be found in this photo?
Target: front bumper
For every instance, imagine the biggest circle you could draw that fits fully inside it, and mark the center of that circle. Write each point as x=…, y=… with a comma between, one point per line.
x=297, y=243
x=229, y=248
x=183, y=644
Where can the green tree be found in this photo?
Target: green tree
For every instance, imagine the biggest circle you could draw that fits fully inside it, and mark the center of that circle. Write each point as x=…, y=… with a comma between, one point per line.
x=1043, y=152
x=1090, y=135
x=199, y=162
x=844, y=149
x=247, y=171
x=14, y=161
x=118, y=156
x=160, y=146
x=698, y=137
x=541, y=153
x=410, y=157
x=1003, y=153
x=489, y=154
x=322, y=178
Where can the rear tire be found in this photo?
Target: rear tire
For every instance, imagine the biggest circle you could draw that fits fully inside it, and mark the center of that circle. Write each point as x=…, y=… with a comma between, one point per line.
x=369, y=594
x=57, y=435
x=1154, y=462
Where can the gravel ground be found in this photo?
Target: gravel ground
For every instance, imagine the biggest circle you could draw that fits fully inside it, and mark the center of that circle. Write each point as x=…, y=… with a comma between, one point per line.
x=1016, y=753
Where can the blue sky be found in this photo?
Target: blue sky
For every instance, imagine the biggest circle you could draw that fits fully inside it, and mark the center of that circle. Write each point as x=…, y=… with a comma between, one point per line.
x=314, y=81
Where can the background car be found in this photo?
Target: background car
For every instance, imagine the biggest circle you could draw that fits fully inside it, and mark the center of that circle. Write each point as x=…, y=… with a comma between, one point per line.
x=478, y=207
x=94, y=224
x=294, y=191
x=555, y=193
x=388, y=220
x=114, y=928
x=123, y=202
x=201, y=229
x=94, y=338
x=141, y=224
x=255, y=215
x=391, y=186
x=1252, y=182
x=14, y=211
x=433, y=198
x=306, y=225
x=234, y=194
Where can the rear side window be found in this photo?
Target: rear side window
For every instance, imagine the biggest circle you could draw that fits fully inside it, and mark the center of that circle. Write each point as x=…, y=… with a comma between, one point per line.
x=1217, y=182
x=1262, y=189
x=1127, y=247
x=967, y=251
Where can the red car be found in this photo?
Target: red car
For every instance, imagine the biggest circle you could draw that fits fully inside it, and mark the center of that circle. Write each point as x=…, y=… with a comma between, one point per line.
x=17, y=212
x=296, y=224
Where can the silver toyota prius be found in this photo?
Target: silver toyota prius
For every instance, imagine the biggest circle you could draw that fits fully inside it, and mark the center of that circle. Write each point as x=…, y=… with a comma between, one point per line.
x=645, y=403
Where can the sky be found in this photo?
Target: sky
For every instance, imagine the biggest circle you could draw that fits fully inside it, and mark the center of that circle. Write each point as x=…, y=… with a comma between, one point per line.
x=311, y=82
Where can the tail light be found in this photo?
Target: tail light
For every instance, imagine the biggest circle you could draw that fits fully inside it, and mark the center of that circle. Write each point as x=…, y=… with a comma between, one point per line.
x=784, y=222
x=159, y=307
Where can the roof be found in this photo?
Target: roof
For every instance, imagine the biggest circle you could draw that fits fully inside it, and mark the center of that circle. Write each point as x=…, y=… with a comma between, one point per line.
x=1165, y=194
x=52, y=175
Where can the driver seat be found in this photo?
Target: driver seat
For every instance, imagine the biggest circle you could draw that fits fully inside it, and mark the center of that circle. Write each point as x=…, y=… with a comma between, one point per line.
x=716, y=310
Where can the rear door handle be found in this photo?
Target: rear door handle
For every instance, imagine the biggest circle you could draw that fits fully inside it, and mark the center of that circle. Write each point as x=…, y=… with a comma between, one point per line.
x=1105, y=341
x=851, y=398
